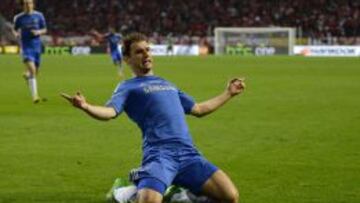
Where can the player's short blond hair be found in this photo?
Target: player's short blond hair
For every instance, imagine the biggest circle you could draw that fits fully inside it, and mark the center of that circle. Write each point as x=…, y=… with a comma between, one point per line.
x=21, y=2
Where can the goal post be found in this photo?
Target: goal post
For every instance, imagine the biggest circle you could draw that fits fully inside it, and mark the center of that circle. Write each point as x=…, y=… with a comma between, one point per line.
x=261, y=41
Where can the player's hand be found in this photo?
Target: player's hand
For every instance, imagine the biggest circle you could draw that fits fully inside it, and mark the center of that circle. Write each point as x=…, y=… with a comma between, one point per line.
x=35, y=32
x=16, y=35
x=236, y=86
x=78, y=100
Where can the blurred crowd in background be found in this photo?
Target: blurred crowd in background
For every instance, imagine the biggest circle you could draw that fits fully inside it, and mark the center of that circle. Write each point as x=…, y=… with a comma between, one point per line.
x=192, y=21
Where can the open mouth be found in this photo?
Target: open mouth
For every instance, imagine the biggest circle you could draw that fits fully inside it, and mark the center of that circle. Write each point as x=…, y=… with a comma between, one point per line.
x=147, y=62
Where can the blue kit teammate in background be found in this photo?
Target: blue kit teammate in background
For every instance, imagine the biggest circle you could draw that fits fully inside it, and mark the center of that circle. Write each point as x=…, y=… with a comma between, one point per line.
x=29, y=25
x=158, y=107
x=114, y=40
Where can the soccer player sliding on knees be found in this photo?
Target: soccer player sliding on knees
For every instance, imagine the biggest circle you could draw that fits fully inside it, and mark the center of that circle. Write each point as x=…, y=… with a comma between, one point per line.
x=158, y=107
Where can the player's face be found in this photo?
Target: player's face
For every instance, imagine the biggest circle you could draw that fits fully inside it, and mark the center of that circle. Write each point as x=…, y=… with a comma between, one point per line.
x=28, y=5
x=140, y=58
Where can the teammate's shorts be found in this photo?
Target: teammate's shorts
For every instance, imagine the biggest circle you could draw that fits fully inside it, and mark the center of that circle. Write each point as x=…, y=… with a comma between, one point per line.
x=173, y=167
x=116, y=56
x=31, y=55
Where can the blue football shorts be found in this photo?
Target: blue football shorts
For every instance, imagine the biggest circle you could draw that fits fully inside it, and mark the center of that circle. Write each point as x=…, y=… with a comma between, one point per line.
x=31, y=55
x=116, y=56
x=161, y=169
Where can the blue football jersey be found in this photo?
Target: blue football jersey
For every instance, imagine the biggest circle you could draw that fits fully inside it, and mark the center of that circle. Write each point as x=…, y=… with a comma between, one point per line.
x=158, y=108
x=113, y=40
x=27, y=22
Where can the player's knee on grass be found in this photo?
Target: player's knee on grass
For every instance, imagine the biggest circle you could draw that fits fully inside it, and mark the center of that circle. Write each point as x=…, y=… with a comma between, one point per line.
x=148, y=196
x=220, y=187
x=232, y=196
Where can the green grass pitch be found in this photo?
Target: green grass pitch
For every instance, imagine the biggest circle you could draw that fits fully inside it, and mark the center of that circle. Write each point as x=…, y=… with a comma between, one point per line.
x=293, y=136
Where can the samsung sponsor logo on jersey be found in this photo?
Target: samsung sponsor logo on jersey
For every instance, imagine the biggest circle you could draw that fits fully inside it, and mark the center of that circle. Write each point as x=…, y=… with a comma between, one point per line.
x=158, y=88
x=31, y=24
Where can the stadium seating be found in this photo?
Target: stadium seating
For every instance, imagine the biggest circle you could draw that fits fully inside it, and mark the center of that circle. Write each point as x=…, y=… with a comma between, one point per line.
x=157, y=18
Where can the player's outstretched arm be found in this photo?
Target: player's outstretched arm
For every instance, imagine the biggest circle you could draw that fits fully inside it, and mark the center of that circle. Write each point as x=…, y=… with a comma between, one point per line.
x=97, y=34
x=98, y=112
x=234, y=87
